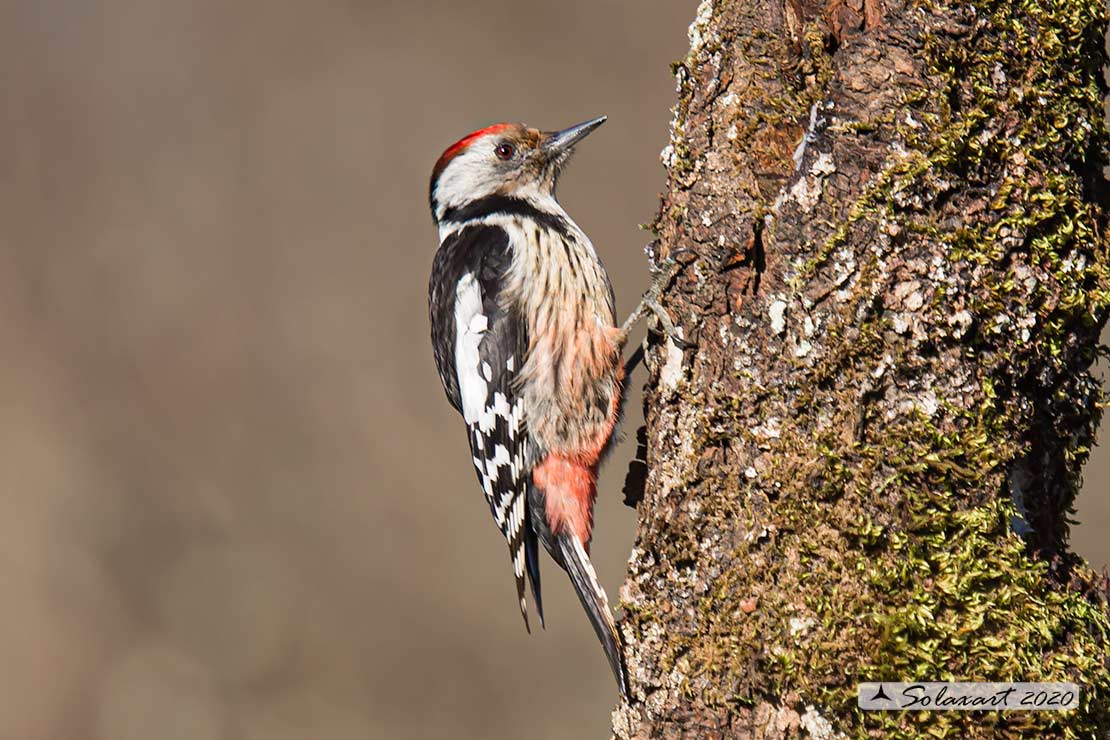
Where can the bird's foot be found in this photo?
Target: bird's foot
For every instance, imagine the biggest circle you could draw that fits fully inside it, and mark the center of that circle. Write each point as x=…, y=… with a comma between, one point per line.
x=663, y=275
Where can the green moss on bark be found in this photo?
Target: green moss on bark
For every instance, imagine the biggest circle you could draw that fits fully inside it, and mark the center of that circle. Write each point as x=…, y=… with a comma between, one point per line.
x=845, y=555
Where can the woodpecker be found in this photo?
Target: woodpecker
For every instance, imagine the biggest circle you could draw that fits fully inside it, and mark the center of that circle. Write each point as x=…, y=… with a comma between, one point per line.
x=527, y=348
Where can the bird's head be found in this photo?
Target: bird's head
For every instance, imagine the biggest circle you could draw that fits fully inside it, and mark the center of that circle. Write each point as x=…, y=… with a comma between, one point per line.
x=507, y=159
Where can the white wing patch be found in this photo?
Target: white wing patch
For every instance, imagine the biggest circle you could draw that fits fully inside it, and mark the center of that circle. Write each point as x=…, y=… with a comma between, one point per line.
x=499, y=443
x=470, y=325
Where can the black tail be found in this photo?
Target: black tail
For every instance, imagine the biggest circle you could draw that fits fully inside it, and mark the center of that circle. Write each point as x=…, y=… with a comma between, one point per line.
x=596, y=604
x=532, y=563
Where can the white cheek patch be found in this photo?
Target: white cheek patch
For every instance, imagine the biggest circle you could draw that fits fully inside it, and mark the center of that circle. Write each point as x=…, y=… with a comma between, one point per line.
x=471, y=175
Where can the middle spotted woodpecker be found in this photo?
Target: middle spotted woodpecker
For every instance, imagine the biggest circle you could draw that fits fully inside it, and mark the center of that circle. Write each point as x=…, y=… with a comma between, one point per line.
x=528, y=350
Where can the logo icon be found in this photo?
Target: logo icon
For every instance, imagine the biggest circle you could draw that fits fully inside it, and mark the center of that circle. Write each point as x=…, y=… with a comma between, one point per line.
x=880, y=695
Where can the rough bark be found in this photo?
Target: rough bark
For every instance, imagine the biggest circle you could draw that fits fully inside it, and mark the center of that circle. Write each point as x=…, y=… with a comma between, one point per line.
x=891, y=222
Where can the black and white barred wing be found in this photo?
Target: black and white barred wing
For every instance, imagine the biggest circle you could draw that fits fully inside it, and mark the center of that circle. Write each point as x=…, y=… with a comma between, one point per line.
x=479, y=347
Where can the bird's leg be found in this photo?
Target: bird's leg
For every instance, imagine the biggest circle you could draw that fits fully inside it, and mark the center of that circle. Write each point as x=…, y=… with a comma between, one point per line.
x=649, y=304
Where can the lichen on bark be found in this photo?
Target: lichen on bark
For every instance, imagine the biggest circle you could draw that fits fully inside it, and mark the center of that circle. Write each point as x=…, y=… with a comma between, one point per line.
x=891, y=222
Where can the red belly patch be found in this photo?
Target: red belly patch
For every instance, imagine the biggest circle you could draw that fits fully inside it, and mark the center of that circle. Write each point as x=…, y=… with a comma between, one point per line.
x=570, y=487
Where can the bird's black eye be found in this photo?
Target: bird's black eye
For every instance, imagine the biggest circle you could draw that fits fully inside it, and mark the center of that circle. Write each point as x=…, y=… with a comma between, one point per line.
x=505, y=150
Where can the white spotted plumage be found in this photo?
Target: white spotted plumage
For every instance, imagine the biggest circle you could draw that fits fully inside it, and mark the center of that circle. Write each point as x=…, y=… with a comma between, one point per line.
x=484, y=401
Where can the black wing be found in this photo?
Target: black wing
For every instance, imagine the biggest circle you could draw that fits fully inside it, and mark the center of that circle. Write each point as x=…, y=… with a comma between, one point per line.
x=479, y=348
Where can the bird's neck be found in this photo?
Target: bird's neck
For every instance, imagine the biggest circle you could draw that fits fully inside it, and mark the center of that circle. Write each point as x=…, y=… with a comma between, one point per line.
x=498, y=209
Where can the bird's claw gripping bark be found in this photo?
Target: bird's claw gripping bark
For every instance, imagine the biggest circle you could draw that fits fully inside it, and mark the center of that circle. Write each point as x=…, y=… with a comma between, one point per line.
x=668, y=327
x=664, y=273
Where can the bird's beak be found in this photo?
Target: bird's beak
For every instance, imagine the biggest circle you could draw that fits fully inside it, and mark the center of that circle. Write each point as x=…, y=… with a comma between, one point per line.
x=559, y=143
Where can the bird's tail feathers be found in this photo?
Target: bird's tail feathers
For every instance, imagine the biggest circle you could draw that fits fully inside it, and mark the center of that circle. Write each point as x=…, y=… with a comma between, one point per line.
x=516, y=551
x=596, y=604
x=532, y=564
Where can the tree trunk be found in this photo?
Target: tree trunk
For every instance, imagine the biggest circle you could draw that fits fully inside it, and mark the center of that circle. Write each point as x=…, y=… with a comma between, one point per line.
x=891, y=224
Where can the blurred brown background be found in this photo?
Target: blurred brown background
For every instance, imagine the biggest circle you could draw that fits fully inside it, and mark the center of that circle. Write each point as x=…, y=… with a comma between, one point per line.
x=233, y=501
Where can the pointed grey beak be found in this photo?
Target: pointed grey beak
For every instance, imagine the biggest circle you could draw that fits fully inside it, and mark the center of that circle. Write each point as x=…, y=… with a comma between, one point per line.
x=561, y=142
